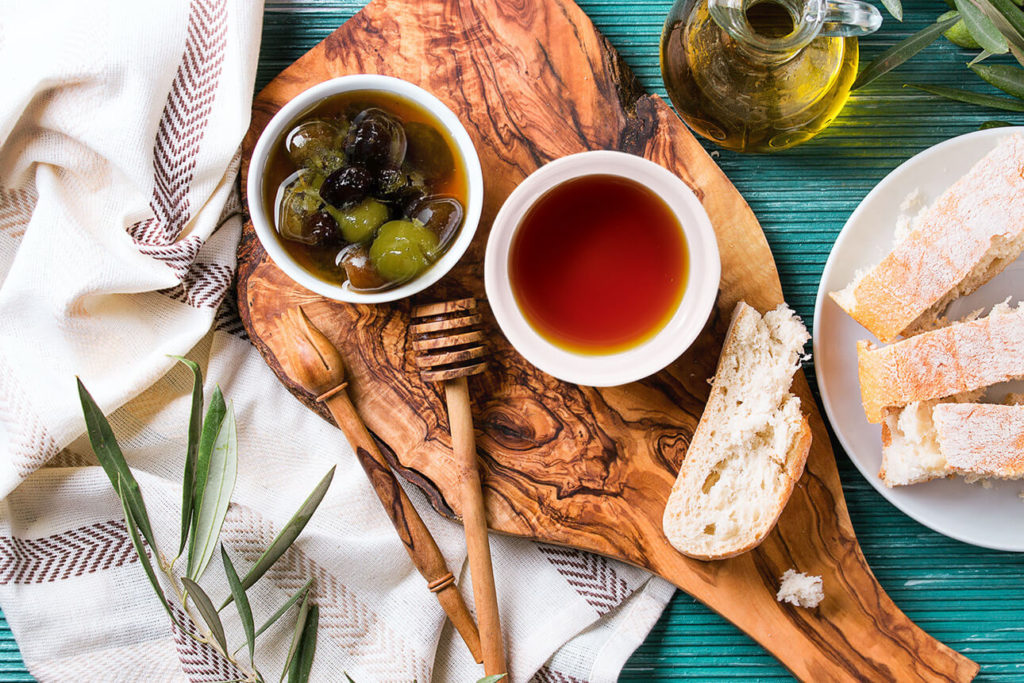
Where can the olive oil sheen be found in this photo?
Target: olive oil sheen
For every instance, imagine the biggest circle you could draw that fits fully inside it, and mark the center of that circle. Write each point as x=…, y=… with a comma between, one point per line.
x=598, y=265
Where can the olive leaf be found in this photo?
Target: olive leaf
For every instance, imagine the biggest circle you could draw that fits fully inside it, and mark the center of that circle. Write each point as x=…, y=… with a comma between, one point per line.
x=104, y=445
x=209, y=614
x=212, y=503
x=211, y=429
x=1009, y=79
x=994, y=124
x=298, y=595
x=300, y=627
x=241, y=603
x=1009, y=15
x=195, y=427
x=307, y=648
x=1009, y=20
x=979, y=58
x=147, y=566
x=287, y=535
x=958, y=33
x=981, y=27
x=895, y=8
x=969, y=97
x=902, y=51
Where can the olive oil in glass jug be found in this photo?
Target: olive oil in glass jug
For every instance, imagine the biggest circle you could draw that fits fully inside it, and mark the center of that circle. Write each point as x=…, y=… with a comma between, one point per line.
x=762, y=75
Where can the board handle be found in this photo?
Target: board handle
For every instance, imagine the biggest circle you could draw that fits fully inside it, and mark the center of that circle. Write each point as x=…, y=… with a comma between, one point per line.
x=857, y=633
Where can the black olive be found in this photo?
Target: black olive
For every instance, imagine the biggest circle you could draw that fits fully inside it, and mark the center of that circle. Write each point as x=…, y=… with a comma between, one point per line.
x=410, y=200
x=346, y=185
x=376, y=140
x=322, y=229
x=388, y=182
x=355, y=259
x=441, y=215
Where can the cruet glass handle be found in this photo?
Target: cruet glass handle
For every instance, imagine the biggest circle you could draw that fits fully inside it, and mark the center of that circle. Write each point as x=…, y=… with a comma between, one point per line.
x=846, y=17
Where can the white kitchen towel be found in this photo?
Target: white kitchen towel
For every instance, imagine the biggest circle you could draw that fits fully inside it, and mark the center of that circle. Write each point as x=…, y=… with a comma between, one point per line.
x=119, y=217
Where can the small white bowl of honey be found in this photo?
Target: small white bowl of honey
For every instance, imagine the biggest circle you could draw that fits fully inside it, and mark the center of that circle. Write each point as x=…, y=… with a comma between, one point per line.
x=602, y=268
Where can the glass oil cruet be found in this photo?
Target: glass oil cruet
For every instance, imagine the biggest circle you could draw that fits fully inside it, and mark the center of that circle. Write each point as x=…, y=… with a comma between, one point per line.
x=762, y=75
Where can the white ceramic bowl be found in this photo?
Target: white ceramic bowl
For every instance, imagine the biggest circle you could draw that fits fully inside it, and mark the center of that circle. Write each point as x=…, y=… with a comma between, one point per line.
x=641, y=360
x=302, y=103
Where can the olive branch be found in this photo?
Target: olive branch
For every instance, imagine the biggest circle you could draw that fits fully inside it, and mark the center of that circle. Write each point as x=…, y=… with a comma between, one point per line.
x=993, y=27
x=211, y=465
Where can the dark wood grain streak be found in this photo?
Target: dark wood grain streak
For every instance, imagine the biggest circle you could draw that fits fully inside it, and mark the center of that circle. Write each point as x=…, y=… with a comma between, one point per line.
x=387, y=490
x=591, y=468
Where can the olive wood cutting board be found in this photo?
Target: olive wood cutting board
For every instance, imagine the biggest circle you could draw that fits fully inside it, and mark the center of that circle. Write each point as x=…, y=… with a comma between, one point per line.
x=532, y=81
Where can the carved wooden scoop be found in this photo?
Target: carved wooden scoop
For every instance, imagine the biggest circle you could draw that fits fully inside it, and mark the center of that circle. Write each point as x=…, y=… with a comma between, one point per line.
x=316, y=364
x=449, y=348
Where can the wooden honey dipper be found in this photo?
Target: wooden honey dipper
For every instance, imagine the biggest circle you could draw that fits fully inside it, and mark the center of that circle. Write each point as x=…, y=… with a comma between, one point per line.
x=317, y=365
x=449, y=348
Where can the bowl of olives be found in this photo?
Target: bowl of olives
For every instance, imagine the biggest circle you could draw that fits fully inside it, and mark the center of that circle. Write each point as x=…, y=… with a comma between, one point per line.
x=365, y=189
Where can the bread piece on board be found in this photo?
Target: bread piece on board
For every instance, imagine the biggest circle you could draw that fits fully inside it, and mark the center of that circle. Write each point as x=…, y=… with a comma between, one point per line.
x=963, y=357
x=750, y=444
x=981, y=439
x=971, y=232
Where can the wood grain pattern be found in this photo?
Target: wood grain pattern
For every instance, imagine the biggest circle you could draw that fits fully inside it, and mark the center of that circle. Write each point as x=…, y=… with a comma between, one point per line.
x=591, y=468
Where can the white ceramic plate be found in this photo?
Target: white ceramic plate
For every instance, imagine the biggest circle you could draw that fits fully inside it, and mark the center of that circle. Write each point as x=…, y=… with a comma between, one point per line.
x=991, y=518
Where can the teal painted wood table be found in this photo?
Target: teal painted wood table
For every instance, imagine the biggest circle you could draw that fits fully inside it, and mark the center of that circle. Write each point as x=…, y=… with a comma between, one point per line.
x=970, y=598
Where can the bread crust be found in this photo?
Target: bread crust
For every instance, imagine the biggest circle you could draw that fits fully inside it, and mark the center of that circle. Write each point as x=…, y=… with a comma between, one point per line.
x=981, y=439
x=951, y=360
x=949, y=252
x=872, y=373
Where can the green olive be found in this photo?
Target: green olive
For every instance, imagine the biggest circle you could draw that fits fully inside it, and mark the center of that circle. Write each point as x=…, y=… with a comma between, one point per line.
x=298, y=202
x=316, y=144
x=402, y=250
x=958, y=33
x=359, y=222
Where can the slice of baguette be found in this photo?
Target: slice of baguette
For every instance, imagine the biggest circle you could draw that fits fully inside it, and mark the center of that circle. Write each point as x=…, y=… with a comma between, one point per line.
x=951, y=360
x=936, y=439
x=750, y=444
x=969, y=235
x=910, y=447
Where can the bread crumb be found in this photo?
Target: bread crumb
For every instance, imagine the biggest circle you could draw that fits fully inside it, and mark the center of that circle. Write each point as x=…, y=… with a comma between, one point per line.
x=913, y=202
x=802, y=590
x=1021, y=495
x=912, y=207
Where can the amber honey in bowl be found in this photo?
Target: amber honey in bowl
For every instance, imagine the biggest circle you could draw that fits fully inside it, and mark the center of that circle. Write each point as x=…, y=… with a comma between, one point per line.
x=598, y=264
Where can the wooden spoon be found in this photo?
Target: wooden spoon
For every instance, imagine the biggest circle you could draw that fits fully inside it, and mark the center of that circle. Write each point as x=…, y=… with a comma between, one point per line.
x=317, y=365
x=449, y=348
